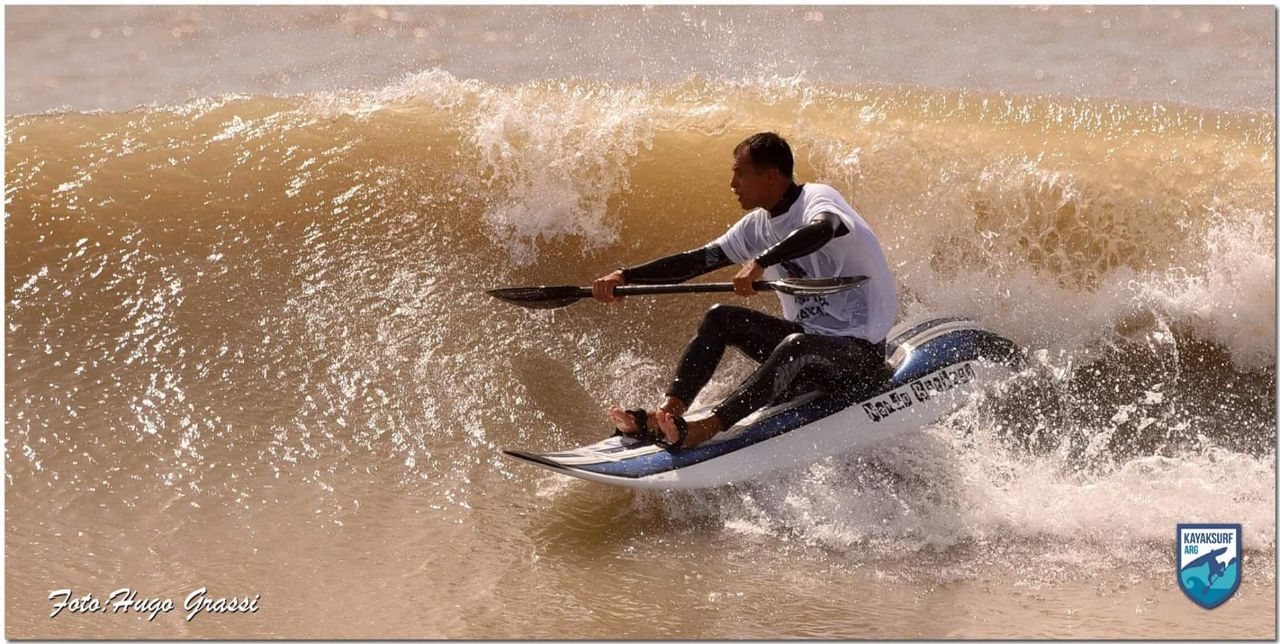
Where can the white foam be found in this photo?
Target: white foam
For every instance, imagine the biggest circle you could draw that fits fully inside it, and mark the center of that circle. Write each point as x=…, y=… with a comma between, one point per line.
x=551, y=157
x=950, y=488
x=1231, y=298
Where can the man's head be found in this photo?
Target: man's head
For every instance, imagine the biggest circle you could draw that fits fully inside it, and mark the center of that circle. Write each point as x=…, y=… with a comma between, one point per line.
x=762, y=167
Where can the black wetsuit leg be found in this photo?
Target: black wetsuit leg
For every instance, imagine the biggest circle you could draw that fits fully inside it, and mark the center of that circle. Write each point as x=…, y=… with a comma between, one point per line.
x=754, y=333
x=830, y=363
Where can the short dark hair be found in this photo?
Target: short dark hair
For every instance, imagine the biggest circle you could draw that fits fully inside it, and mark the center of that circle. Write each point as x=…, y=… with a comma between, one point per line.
x=768, y=150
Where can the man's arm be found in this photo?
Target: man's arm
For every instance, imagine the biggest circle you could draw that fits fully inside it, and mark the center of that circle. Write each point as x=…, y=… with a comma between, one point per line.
x=672, y=269
x=804, y=240
x=679, y=267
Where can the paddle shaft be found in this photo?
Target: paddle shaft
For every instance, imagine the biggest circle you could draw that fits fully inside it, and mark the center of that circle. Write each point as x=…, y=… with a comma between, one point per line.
x=661, y=289
x=554, y=297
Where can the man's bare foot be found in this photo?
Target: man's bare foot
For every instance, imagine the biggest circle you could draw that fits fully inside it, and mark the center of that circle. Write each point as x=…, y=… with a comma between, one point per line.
x=626, y=423
x=699, y=431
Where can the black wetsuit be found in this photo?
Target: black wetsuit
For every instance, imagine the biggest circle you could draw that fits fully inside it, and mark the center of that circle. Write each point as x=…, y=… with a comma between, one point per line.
x=790, y=359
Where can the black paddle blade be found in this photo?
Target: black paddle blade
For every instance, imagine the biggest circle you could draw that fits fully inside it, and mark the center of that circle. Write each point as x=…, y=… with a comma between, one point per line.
x=539, y=297
x=817, y=285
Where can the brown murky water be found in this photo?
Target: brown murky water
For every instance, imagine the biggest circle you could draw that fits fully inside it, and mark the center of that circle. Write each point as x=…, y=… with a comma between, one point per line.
x=247, y=347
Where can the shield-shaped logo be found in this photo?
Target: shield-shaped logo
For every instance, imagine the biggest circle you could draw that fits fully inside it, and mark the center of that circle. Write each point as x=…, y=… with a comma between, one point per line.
x=1209, y=561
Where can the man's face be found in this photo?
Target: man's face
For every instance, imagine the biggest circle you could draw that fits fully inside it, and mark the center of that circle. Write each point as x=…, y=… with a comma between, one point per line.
x=751, y=184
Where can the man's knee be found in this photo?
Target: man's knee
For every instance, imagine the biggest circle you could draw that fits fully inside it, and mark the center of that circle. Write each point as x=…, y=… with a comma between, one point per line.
x=721, y=316
x=793, y=345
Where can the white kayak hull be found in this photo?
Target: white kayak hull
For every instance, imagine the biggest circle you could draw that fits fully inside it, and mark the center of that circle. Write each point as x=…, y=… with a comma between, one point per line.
x=935, y=364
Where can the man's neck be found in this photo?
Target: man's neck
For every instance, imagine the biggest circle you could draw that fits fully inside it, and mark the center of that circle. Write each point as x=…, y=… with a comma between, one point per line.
x=788, y=199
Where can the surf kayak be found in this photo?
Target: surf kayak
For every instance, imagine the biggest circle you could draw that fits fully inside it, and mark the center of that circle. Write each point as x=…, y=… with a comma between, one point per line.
x=932, y=368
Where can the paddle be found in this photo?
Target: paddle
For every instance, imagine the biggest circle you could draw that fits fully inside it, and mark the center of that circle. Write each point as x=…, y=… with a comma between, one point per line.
x=554, y=297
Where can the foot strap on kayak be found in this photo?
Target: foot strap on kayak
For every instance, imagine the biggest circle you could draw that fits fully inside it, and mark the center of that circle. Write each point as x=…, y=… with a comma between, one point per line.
x=682, y=430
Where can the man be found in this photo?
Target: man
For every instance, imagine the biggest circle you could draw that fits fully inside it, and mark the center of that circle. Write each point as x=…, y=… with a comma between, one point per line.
x=790, y=230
